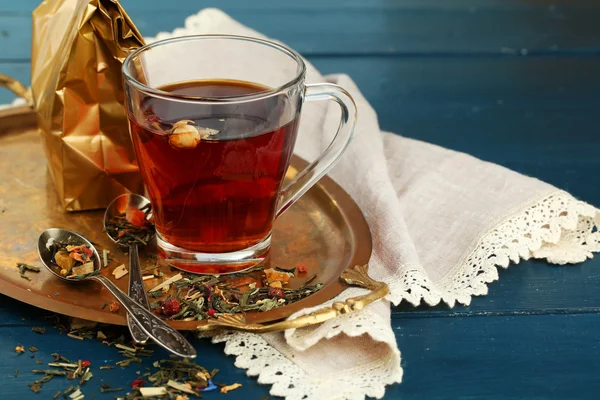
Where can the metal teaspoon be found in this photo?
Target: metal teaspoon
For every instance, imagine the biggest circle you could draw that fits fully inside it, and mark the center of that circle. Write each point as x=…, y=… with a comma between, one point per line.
x=118, y=207
x=154, y=327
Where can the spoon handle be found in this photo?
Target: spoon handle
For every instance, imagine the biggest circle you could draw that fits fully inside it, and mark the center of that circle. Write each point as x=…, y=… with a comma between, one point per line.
x=137, y=293
x=154, y=327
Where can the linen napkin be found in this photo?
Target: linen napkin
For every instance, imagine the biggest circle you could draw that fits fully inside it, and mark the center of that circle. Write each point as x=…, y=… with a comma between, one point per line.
x=442, y=222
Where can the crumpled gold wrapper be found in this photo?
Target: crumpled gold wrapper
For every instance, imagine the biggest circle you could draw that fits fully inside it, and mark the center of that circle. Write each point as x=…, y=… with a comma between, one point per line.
x=78, y=48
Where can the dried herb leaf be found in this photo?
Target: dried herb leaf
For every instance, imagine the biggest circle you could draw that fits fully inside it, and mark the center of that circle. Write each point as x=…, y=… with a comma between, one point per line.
x=26, y=267
x=106, y=389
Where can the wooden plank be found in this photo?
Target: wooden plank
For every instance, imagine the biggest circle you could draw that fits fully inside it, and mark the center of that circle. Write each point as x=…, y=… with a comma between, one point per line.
x=536, y=115
x=504, y=357
x=528, y=357
x=395, y=29
x=529, y=288
x=210, y=356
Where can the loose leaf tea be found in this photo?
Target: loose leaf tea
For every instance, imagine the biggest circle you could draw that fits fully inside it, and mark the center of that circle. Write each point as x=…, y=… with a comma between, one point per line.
x=202, y=297
x=132, y=227
x=26, y=267
x=171, y=379
x=71, y=259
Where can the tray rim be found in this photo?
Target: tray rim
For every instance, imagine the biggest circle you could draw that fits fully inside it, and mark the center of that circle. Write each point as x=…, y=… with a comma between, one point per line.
x=22, y=118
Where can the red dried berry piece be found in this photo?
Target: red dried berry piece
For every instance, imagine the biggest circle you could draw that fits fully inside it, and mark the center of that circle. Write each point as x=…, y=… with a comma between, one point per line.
x=276, y=293
x=301, y=268
x=85, y=364
x=136, y=217
x=171, y=306
x=137, y=383
x=211, y=312
x=77, y=256
x=114, y=307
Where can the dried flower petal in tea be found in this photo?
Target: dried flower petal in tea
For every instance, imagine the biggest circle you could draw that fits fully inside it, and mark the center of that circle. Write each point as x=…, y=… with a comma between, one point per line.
x=132, y=227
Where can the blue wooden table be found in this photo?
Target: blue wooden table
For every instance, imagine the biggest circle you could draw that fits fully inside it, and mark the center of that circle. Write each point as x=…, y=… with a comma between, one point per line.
x=514, y=82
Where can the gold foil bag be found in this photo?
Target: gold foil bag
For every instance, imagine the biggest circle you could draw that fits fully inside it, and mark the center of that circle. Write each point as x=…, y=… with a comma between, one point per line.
x=77, y=50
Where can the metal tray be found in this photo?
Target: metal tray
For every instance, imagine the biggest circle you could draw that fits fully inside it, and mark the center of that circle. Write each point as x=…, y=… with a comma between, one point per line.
x=325, y=230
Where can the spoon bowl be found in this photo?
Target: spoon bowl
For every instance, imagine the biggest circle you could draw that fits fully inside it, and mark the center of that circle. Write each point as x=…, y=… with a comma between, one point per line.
x=52, y=235
x=119, y=207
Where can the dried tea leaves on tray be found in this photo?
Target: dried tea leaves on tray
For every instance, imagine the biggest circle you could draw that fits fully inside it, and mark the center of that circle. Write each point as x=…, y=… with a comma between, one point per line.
x=202, y=297
x=26, y=267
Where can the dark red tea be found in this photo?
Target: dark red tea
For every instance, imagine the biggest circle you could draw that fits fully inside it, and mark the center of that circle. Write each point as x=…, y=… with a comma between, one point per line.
x=219, y=195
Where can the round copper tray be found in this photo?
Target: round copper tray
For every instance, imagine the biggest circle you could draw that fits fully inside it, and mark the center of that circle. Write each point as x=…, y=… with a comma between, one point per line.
x=325, y=230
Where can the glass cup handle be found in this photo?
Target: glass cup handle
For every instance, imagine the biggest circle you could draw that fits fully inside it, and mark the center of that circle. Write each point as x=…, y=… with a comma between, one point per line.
x=315, y=171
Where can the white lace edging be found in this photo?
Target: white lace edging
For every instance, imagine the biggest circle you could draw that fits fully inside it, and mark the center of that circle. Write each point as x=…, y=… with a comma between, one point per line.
x=288, y=380
x=558, y=228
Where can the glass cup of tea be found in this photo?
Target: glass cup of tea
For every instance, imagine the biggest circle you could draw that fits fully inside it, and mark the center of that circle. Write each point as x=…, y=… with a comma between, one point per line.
x=214, y=120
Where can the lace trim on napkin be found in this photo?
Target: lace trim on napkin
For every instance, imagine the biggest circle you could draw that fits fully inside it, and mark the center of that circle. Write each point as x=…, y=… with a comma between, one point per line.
x=558, y=228
x=288, y=380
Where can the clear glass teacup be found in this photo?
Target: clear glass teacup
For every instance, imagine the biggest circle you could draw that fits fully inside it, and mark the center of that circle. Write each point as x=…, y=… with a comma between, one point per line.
x=214, y=120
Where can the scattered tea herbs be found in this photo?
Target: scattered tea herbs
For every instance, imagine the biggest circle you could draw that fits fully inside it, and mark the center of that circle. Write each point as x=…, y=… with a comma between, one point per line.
x=26, y=267
x=127, y=361
x=174, y=379
x=207, y=296
x=74, y=336
x=114, y=307
x=106, y=389
x=69, y=390
x=229, y=388
x=171, y=379
x=62, y=367
x=132, y=227
x=72, y=260
x=301, y=268
x=120, y=271
x=105, y=257
x=39, y=329
x=20, y=349
x=33, y=349
x=16, y=373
